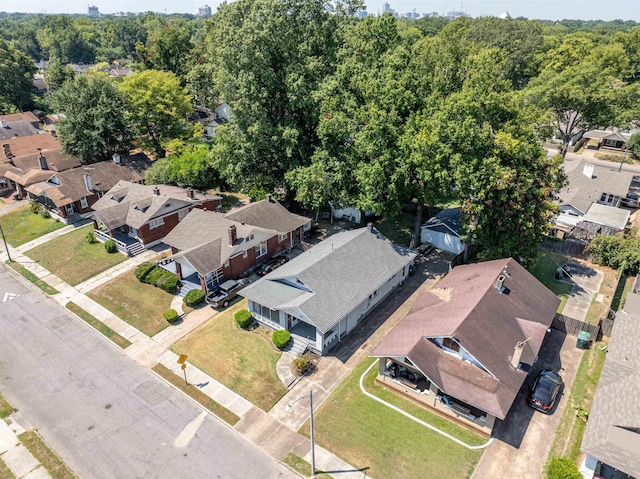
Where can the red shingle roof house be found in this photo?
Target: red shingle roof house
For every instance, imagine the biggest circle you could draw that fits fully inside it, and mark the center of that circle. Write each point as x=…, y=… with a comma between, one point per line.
x=466, y=346
x=69, y=194
x=210, y=247
x=138, y=216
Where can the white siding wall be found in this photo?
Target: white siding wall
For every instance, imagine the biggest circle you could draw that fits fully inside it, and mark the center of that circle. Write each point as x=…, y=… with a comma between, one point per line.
x=446, y=242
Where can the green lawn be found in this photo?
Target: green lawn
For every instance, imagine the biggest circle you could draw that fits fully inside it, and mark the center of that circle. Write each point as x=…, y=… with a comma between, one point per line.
x=544, y=269
x=241, y=360
x=222, y=412
x=5, y=472
x=6, y=409
x=370, y=435
x=98, y=325
x=301, y=466
x=28, y=275
x=139, y=304
x=229, y=199
x=397, y=228
x=21, y=226
x=73, y=259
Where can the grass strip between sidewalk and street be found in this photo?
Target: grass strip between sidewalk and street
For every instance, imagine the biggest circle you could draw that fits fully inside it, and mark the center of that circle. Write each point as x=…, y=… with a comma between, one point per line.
x=98, y=325
x=6, y=409
x=193, y=392
x=32, y=278
x=301, y=466
x=5, y=472
x=56, y=468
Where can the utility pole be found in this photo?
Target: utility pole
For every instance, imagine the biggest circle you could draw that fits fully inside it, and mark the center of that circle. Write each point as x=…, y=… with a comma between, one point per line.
x=4, y=240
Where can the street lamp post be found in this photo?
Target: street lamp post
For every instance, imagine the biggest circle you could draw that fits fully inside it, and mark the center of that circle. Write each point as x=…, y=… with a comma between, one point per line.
x=5, y=244
x=313, y=453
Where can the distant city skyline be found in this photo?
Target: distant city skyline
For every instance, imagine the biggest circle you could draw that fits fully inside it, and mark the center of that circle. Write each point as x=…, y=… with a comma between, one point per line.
x=533, y=9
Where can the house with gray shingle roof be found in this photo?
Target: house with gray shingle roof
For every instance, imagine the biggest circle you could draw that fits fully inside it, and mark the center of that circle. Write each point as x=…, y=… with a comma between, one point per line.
x=210, y=247
x=443, y=231
x=324, y=293
x=465, y=347
x=612, y=435
x=139, y=216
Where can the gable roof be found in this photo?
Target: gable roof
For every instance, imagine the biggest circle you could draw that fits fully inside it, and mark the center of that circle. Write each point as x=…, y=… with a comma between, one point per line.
x=24, y=116
x=104, y=175
x=340, y=272
x=488, y=324
x=134, y=204
x=581, y=190
x=608, y=135
x=268, y=214
x=447, y=221
x=17, y=129
x=202, y=238
x=26, y=145
x=613, y=430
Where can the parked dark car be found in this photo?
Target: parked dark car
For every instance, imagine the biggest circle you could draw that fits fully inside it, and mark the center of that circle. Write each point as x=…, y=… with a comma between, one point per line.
x=545, y=391
x=270, y=265
x=228, y=291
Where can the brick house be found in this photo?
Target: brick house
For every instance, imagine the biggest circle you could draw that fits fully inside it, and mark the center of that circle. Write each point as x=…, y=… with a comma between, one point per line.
x=70, y=194
x=138, y=217
x=210, y=247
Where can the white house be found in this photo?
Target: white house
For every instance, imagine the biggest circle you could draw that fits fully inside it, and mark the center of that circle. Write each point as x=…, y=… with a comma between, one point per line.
x=443, y=231
x=324, y=293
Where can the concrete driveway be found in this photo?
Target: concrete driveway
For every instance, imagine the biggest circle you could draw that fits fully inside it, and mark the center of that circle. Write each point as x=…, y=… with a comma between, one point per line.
x=523, y=439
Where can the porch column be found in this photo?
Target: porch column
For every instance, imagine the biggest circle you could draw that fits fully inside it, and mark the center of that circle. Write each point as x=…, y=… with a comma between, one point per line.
x=203, y=284
x=382, y=362
x=179, y=270
x=95, y=224
x=112, y=234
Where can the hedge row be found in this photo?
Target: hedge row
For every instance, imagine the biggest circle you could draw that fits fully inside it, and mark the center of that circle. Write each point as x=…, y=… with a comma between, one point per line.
x=151, y=274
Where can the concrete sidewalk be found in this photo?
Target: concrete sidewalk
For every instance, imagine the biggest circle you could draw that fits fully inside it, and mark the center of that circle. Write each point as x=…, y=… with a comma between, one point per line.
x=15, y=455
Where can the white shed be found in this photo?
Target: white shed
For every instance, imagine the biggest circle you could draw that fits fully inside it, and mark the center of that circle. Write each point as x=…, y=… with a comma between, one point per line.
x=443, y=231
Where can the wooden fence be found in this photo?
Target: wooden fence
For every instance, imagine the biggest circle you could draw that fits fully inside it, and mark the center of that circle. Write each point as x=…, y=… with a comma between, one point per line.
x=606, y=326
x=572, y=248
x=574, y=326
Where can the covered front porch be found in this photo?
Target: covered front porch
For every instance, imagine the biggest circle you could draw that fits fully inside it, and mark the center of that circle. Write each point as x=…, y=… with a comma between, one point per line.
x=188, y=282
x=413, y=385
x=125, y=243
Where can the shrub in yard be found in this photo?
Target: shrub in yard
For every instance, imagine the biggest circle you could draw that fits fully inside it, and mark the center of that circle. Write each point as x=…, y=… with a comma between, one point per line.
x=171, y=315
x=302, y=363
x=168, y=282
x=110, y=246
x=194, y=297
x=281, y=338
x=562, y=468
x=143, y=270
x=91, y=237
x=34, y=206
x=44, y=213
x=153, y=276
x=244, y=318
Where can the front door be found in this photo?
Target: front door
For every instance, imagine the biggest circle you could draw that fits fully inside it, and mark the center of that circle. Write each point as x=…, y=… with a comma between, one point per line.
x=69, y=209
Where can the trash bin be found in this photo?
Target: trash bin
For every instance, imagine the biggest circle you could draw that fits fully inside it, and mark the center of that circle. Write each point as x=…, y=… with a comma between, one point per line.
x=583, y=339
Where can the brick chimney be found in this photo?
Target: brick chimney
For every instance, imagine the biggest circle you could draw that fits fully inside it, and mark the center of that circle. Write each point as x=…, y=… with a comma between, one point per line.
x=156, y=191
x=370, y=227
x=88, y=183
x=233, y=235
x=6, y=147
x=191, y=194
x=116, y=158
x=269, y=198
x=42, y=162
x=517, y=354
x=500, y=283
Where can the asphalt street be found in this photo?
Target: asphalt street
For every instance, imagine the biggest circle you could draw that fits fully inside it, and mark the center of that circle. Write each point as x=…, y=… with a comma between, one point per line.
x=104, y=414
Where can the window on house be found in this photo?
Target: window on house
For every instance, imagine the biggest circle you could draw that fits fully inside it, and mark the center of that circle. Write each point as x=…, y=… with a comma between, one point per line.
x=156, y=223
x=245, y=253
x=182, y=214
x=226, y=264
x=83, y=202
x=282, y=238
x=261, y=249
x=451, y=344
x=252, y=236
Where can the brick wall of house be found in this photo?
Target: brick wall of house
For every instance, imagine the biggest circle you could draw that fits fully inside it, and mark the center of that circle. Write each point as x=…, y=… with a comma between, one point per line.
x=210, y=205
x=149, y=235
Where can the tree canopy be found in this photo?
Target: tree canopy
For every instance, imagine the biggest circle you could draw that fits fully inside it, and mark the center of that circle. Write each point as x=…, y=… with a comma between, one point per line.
x=16, y=73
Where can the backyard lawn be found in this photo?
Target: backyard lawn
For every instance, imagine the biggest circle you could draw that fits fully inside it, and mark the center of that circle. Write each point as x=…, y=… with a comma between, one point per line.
x=21, y=226
x=370, y=435
x=72, y=258
x=544, y=269
x=139, y=304
x=397, y=228
x=243, y=361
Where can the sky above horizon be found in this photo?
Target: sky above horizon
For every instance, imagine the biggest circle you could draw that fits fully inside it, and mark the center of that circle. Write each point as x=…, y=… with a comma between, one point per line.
x=532, y=9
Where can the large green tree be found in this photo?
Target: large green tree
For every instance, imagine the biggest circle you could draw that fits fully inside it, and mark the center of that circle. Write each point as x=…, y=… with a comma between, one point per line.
x=268, y=57
x=190, y=168
x=157, y=108
x=168, y=48
x=94, y=126
x=64, y=42
x=16, y=77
